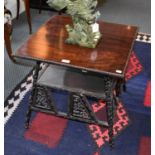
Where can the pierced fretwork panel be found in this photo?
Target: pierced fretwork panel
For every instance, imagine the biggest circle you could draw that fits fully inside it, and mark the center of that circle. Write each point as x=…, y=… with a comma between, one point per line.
x=43, y=99
x=80, y=108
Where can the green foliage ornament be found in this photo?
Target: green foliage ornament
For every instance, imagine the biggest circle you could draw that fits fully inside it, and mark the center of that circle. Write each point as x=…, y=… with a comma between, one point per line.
x=85, y=31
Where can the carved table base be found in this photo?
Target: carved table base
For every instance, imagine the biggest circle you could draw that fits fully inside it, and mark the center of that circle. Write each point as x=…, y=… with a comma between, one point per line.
x=79, y=108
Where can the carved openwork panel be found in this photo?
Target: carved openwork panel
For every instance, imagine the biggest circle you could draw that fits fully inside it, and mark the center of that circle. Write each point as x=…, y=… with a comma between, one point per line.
x=43, y=99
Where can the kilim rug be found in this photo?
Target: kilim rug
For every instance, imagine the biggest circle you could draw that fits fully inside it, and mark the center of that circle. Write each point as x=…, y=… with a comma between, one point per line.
x=49, y=135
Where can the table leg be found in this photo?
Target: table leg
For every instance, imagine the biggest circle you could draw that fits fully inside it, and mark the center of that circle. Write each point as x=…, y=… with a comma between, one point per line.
x=8, y=41
x=33, y=94
x=40, y=6
x=110, y=114
x=121, y=85
x=18, y=5
x=28, y=15
x=110, y=101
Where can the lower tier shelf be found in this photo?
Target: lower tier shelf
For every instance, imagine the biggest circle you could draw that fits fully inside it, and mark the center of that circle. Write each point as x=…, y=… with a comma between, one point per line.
x=71, y=80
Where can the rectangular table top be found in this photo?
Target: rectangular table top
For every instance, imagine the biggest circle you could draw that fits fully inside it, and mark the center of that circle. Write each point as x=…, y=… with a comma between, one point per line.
x=109, y=57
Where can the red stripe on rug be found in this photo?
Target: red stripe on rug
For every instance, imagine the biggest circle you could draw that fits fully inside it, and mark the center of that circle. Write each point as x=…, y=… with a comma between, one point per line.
x=96, y=153
x=147, y=100
x=46, y=129
x=145, y=146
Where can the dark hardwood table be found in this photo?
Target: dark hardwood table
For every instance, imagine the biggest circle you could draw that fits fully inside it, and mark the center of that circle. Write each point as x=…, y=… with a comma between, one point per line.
x=81, y=71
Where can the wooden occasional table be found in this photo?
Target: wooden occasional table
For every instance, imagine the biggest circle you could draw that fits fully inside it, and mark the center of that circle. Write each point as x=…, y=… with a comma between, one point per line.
x=81, y=71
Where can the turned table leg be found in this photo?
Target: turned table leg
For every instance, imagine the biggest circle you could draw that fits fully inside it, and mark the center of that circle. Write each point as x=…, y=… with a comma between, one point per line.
x=33, y=95
x=110, y=118
x=18, y=6
x=40, y=6
x=110, y=101
x=8, y=41
x=27, y=8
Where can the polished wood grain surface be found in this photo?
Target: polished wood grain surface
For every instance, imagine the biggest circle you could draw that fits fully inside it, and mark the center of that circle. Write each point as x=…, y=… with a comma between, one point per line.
x=110, y=56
